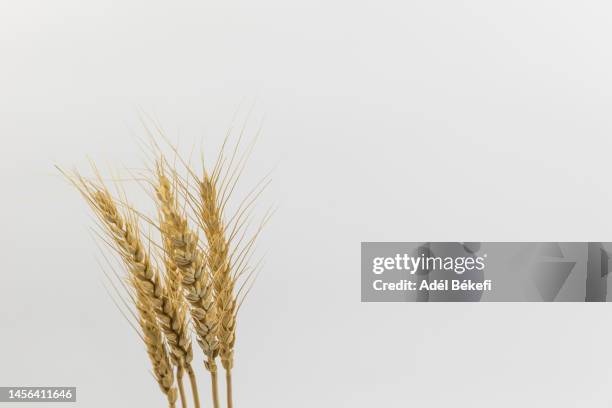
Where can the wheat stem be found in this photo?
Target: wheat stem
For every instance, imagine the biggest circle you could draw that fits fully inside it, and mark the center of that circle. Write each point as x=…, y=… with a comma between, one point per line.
x=179, y=380
x=194, y=386
x=228, y=385
x=214, y=383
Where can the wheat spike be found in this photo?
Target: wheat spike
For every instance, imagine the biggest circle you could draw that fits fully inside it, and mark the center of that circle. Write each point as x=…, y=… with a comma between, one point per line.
x=157, y=312
x=219, y=264
x=170, y=314
x=182, y=245
x=148, y=290
x=223, y=281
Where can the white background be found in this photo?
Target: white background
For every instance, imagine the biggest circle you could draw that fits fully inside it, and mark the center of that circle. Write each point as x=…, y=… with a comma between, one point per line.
x=407, y=120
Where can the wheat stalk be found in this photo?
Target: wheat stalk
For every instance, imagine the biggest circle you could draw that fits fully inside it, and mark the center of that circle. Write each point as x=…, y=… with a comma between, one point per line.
x=182, y=243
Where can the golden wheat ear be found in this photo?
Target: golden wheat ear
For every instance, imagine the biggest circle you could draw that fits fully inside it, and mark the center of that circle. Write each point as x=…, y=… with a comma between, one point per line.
x=121, y=232
x=228, y=249
x=220, y=269
x=182, y=246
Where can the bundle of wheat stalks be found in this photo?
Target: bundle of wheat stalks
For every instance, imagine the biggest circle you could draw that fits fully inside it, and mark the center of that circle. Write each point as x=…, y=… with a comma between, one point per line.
x=195, y=279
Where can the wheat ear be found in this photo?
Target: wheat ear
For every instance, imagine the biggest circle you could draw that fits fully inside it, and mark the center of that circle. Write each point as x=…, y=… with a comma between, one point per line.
x=168, y=310
x=124, y=234
x=223, y=282
x=195, y=279
x=170, y=314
